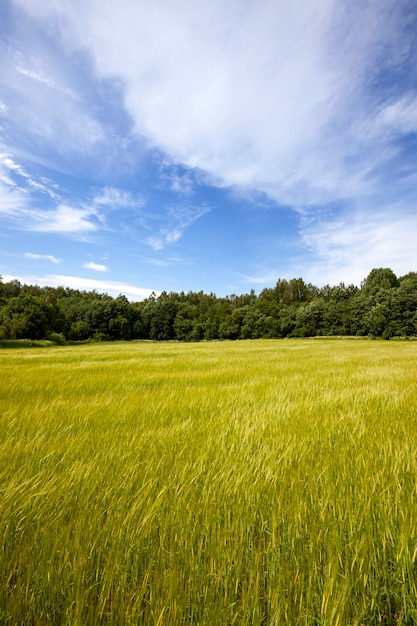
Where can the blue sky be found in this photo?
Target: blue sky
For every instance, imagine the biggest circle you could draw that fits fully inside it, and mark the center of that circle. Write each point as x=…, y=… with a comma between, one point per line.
x=215, y=146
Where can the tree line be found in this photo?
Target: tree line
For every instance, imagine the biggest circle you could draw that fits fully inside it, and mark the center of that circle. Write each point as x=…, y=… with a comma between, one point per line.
x=383, y=306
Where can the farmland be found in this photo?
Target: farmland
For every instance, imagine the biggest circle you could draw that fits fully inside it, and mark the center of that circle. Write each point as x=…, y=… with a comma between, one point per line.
x=252, y=482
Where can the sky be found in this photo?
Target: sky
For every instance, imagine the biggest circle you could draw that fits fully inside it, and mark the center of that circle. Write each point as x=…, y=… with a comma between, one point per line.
x=187, y=145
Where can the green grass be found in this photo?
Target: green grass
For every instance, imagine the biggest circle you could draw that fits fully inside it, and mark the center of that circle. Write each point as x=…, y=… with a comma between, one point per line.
x=25, y=343
x=263, y=482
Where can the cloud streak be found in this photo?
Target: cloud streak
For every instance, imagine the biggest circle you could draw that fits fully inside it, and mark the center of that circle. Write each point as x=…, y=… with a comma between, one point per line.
x=38, y=257
x=97, y=267
x=178, y=219
x=111, y=287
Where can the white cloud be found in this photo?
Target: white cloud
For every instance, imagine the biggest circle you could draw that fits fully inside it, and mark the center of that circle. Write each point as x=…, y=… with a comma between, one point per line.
x=266, y=95
x=7, y=180
x=11, y=165
x=41, y=89
x=181, y=183
x=400, y=115
x=111, y=198
x=12, y=199
x=47, y=257
x=156, y=242
x=64, y=219
x=178, y=219
x=115, y=198
x=262, y=279
x=168, y=261
x=349, y=246
x=7, y=163
x=45, y=80
x=180, y=180
x=36, y=76
x=24, y=210
x=113, y=288
x=97, y=267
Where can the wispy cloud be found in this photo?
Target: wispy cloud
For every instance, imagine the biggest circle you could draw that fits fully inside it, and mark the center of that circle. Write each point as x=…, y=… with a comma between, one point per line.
x=97, y=267
x=117, y=198
x=278, y=93
x=399, y=115
x=112, y=288
x=11, y=165
x=45, y=80
x=11, y=200
x=20, y=203
x=260, y=279
x=7, y=181
x=178, y=179
x=258, y=112
x=64, y=219
x=47, y=257
x=41, y=96
x=18, y=172
x=178, y=219
x=353, y=243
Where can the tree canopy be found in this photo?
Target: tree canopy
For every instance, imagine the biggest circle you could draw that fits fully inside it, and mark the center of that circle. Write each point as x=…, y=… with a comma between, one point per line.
x=384, y=306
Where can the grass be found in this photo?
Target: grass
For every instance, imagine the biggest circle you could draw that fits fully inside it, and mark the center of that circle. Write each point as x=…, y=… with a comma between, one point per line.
x=263, y=482
x=25, y=343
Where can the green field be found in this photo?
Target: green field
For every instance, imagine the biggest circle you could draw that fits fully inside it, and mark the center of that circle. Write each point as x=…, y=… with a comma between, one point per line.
x=264, y=482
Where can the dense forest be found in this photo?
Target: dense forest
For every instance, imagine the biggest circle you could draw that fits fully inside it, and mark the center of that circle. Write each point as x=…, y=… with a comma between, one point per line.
x=384, y=306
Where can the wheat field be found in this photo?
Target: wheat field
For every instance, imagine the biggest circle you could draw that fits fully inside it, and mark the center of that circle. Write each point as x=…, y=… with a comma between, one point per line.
x=254, y=482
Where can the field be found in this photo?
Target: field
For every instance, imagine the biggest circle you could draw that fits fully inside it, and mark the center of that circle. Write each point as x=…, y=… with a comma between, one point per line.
x=263, y=482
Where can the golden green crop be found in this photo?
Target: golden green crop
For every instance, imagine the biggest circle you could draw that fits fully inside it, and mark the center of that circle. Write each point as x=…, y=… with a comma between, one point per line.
x=255, y=483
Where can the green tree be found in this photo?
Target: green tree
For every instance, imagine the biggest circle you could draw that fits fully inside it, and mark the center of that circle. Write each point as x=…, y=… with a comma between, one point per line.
x=27, y=317
x=379, y=321
x=309, y=319
x=80, y=331
x=380, y=278
x=162, y=320
x=404, y=306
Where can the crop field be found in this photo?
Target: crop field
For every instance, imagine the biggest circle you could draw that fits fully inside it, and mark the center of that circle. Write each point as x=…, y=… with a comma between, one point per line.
x=253, y=482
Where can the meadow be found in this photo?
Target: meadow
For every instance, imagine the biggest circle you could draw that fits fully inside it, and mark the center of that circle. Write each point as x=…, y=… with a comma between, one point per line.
x=249, y=483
